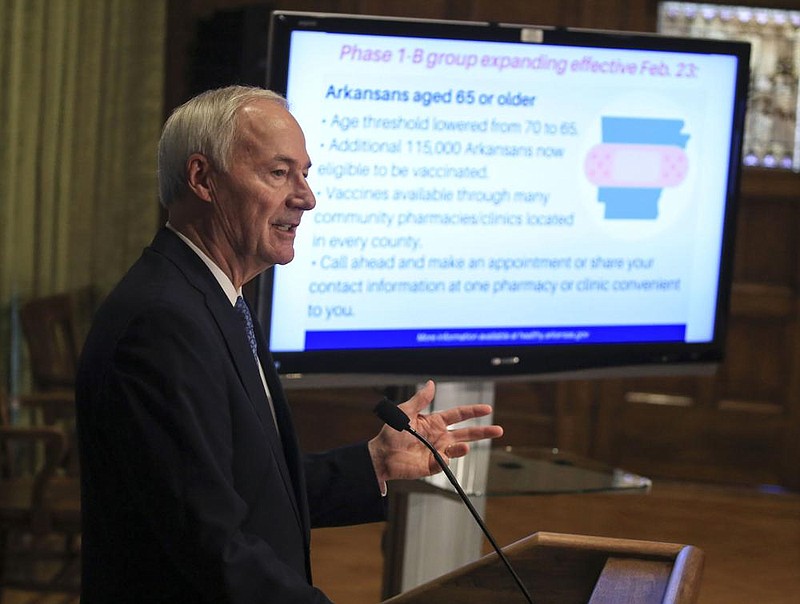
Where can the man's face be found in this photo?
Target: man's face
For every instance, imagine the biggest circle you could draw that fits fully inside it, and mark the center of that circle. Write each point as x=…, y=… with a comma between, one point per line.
x=263, y=195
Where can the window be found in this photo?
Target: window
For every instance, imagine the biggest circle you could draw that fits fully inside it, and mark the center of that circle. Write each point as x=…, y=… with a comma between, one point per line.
x=772, y=136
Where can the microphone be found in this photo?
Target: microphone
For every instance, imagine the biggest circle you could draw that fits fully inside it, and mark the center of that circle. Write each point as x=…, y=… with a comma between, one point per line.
x=394, y=417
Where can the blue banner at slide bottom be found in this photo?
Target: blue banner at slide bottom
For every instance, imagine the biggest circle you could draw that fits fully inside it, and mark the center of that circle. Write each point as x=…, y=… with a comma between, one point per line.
x=495, y=336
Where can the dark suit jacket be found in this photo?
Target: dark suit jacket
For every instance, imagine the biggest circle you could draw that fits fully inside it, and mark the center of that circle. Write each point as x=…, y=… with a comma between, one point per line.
x=188, y=492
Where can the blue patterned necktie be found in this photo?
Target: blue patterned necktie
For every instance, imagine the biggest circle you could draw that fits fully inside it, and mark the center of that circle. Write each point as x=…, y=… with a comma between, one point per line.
x=247, y=319
x=241, y=307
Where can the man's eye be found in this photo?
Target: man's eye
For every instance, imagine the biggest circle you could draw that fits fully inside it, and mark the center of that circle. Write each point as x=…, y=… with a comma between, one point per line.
x=279, y=173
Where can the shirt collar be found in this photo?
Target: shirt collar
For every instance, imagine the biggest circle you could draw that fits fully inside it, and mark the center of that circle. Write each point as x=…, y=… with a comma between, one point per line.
x=224, y=282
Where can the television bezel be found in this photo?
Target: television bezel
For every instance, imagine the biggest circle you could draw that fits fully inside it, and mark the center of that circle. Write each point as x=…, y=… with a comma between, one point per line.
x=409, y=365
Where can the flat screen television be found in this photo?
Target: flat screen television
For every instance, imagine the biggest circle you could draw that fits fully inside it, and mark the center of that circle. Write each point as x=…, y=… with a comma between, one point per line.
x=497, y=201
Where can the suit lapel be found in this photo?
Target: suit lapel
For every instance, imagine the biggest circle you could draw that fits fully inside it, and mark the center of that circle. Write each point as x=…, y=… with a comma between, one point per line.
x=283, y=416
x=230, y=325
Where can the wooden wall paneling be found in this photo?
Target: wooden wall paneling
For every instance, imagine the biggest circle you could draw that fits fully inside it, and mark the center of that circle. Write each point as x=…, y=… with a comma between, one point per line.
x=326, y=418
x=626, y=401
x=764, y=352
x=726, y=437
x=527, y=412
x=759, y=361
x=617, y=15
x=765, y=184
x=576, y=405
x=541, y=12
x=791, y=447
x=418, y=9
x=558, y=414
x=682, y=435
x=744, y=446
x=597, y=14
x=180, y=34
x=765, y=241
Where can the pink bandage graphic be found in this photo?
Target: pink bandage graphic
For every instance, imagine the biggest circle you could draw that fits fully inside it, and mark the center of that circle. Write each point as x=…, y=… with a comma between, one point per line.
x=633, y=165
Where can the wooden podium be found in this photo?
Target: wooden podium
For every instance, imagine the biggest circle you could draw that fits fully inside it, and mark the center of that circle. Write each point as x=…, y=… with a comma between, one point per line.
x=572, y=569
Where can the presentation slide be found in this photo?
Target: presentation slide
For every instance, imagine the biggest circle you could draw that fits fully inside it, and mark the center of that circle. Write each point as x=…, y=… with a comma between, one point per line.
x=483, y=193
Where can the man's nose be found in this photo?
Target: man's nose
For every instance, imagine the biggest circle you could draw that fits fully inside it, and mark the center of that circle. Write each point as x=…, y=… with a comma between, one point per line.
x=304, y=196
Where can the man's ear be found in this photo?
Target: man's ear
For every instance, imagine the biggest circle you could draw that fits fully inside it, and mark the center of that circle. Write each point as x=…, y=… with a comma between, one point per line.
x=198, y=176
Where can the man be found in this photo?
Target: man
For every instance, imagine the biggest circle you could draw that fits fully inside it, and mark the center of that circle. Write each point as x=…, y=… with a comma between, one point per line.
x=193, y=486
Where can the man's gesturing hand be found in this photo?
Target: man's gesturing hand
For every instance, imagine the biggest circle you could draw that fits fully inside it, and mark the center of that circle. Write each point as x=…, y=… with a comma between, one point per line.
x=398, y=455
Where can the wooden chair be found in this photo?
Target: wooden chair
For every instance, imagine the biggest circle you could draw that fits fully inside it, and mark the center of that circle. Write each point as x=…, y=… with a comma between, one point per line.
x=53, y=327
x=39, y=509
x=39, y=484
